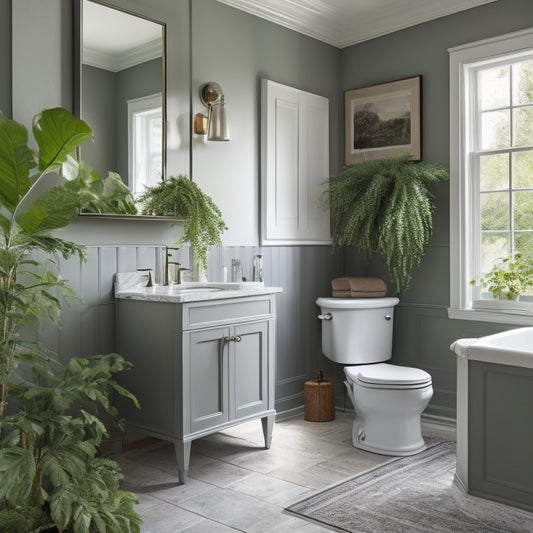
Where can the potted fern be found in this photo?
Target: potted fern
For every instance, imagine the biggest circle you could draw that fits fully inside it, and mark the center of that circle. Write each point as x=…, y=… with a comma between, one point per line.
x=51, y=475
x=386, y=206
x=203, y=224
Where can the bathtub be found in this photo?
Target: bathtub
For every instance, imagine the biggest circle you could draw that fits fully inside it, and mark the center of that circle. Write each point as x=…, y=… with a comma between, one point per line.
x=494, y=421
x=513, y=347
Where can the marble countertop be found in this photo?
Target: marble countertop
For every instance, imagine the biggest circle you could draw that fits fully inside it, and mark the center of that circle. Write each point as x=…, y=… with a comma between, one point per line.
x=130, y=285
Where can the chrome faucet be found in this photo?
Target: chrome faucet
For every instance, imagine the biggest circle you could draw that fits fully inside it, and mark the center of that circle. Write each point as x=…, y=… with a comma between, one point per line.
x=168, y=254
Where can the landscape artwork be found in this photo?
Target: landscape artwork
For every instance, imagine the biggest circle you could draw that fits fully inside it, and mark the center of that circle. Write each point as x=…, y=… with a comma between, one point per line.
x=383, y=121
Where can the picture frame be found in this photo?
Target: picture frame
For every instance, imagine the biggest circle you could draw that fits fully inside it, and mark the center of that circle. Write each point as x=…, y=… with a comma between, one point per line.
x=383, y=121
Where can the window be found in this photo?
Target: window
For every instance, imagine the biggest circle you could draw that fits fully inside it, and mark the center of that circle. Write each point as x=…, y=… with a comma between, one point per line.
x=491, y=168
x=145, y=130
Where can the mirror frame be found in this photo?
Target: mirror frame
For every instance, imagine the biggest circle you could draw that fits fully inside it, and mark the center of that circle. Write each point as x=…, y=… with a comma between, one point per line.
x=78, y=63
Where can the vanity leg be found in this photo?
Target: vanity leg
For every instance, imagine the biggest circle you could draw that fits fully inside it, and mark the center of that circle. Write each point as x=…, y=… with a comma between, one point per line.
x=183, y=454
x=268, y=426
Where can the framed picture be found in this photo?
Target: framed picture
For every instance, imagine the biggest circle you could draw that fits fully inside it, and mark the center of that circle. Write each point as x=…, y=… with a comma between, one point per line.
x=383, y=121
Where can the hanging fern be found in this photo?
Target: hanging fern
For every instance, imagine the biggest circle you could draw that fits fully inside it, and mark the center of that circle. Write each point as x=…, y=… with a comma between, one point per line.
x=181, y=197
x=385, y=206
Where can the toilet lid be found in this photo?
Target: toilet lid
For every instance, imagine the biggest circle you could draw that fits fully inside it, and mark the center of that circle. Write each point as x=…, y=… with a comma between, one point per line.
x=385, y=374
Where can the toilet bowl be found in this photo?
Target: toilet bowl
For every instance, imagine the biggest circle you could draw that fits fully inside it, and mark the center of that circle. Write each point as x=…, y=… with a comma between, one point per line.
x=388, y=399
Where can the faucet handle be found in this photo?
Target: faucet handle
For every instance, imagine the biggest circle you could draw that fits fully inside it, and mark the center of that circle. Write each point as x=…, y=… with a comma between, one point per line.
x=148, y=276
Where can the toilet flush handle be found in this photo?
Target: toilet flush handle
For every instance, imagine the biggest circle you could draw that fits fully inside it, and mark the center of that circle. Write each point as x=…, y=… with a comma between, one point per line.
x=327, y=316
x=387, y=317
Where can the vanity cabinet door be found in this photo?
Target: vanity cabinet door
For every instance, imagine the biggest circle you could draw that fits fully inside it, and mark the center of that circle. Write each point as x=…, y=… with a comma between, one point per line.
x=249, y=370
x=207, y=367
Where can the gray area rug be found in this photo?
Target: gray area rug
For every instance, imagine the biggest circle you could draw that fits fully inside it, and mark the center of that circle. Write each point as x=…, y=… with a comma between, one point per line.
x=408, y=494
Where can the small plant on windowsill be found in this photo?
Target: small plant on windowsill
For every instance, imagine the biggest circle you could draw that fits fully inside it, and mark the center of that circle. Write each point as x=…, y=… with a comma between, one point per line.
x=509, y=278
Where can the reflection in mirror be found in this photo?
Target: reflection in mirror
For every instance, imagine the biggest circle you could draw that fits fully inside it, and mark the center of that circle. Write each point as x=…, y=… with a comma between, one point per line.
x=122, y=93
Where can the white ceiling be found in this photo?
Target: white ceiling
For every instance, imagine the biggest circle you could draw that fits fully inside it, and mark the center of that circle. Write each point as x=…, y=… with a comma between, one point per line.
x=342, y=23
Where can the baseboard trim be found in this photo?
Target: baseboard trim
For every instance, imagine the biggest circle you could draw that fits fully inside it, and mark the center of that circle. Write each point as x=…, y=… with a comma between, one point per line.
x=438, y=420
x=289, y=413
x=483, y=509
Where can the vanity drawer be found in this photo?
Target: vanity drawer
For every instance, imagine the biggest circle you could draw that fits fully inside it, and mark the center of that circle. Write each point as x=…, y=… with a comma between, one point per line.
x=211, y=313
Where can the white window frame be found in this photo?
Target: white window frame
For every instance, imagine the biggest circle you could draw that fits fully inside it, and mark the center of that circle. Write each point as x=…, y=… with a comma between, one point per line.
x=463, y=60
x=139, y=105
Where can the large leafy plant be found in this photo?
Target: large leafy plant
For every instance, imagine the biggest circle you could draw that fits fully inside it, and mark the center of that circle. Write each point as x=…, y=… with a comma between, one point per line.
x=51, y=476
x=180, y=197
x=386, y=206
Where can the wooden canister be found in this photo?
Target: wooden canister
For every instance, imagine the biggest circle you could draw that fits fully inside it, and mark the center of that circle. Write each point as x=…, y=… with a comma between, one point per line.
x=319, y=400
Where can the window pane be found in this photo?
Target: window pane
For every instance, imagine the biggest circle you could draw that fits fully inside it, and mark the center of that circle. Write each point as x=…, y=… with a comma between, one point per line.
x=523, y=83
x=494, y=88
x=494, y=211
x=523, y=210
x=494, y=247
x=494, y=172
x=495, y=130
x=522, y=169
x=523, y=126
x=524, y=243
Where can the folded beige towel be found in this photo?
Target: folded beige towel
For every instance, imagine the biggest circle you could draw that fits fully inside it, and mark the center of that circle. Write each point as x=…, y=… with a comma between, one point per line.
x=358, y=288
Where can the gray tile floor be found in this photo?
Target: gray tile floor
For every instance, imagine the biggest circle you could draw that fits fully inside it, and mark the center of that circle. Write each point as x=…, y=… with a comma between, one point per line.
x=235, y=484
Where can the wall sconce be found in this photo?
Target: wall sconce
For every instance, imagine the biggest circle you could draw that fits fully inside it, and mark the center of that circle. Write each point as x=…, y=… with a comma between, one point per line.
x=215, y=124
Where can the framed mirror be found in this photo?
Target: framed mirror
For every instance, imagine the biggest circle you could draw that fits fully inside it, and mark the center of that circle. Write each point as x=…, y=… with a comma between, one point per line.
x=120, y=92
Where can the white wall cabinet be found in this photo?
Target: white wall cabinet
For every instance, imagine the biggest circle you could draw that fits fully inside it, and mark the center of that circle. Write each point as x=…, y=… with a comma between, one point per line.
x=198, y=367
x=295, y=166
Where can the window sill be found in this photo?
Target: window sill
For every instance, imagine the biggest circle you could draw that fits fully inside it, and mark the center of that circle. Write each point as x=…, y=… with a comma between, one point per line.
x=501, y=312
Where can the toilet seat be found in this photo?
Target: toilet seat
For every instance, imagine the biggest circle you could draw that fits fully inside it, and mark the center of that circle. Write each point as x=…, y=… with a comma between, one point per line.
x=387, y=376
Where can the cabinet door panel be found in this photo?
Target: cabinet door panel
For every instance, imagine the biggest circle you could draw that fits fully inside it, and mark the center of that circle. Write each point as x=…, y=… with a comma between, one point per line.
x=208, y=373
x=295, y=164
x=250, y=369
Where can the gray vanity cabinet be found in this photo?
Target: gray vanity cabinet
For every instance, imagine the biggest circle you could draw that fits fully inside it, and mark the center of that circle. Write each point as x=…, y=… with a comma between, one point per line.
x=227, y=369
x=199, y=367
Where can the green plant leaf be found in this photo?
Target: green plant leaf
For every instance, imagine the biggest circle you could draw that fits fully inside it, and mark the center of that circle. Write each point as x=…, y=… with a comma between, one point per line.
x=385, y=206
x=55, y=208
x=17, y=472
x=181, y=197
x=16, y=160
x=58, y=134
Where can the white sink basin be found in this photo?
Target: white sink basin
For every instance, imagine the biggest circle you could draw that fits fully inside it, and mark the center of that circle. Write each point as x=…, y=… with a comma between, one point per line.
x=130, y=285
x=192, y=287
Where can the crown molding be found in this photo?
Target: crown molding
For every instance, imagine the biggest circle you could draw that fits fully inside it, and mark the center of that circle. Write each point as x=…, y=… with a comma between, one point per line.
x=327, y=20
x=123, y=60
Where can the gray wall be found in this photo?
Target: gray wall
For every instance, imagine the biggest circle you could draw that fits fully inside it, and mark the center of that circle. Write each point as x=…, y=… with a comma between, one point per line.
x=98, y=110
x=423, y=331
x=236, y=50
x=5, y=57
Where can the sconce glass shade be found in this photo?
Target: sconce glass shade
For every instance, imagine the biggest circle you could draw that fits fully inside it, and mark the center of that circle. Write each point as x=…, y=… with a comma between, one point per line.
x=217, y=123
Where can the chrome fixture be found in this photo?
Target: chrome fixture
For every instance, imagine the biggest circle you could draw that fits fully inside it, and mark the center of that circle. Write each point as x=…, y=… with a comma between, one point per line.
x=215, y=125
x=146, y=274
x=175, y=277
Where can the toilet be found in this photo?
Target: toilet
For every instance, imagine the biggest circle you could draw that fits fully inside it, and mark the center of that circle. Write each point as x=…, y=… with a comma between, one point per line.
x=388, y=399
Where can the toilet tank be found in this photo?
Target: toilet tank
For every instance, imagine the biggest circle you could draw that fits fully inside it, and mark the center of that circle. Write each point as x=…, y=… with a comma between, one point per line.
x=357, y=331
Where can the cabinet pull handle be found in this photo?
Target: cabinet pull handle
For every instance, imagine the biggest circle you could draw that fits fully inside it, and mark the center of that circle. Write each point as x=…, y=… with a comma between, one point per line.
x=234, y=338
